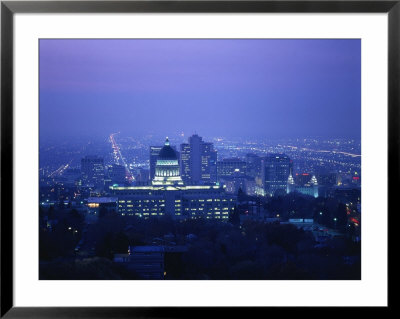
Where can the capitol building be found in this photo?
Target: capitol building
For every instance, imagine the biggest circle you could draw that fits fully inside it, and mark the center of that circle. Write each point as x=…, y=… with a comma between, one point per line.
x=168, y=194
x=167, y=167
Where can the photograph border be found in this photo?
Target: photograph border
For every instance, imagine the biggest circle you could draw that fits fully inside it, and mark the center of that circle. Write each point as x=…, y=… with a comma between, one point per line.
x=9, y=8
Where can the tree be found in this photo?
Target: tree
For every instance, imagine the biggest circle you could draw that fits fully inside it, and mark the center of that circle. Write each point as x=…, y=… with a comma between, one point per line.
x=241, y=195
x=120, y=243
x=234, y=216
x=51, y=213
x=103, y=212
x=341, y=215
x=61, y=204
x=104, y=247
x=75, y=220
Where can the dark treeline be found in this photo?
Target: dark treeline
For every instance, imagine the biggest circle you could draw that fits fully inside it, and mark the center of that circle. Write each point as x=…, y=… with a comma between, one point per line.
x=322, y=210
x=59, y=232
x=328, y=212
x=216, y=250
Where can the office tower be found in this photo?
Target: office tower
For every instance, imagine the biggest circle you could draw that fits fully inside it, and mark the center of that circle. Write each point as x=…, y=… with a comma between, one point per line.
x=198, y=161
x=275, y=171
x=185, y=163
x=231, y=172
x=154, y=151
x=92, y=169
x=253, y=165
x=195, y=160
x=117, y=174
x=231, y=167
x=167, y=195
x=208, y=163
x=142, y=176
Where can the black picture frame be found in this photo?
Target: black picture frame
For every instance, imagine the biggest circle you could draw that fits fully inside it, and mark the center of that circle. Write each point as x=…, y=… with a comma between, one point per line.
x=9, y=8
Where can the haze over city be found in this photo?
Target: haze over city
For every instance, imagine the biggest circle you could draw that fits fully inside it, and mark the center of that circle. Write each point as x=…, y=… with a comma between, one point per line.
x=233, y=88
x=200, y=159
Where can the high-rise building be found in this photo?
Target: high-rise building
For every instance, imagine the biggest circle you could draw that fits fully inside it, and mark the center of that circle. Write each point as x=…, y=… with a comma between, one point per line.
x=208, y=163
x=185, y=163
x=92, y=170
x=231, y=167
x=142, y=176
x=253, y=165
x=231, y=172
x=275, y=171
x=154, y=151
x=168, y=195
x=195, y=158
x=198, y=161
x=117, y=174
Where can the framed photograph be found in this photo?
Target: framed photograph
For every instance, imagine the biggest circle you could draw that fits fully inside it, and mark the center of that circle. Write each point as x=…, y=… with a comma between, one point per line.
x=162, y=156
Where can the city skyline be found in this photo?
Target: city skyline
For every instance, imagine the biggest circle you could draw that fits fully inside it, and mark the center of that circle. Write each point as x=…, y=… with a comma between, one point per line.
x=260, y=88
x=163, y=227
x=187, y=159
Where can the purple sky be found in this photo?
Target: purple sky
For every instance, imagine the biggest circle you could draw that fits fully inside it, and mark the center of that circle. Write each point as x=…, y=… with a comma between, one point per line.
x=260, y=88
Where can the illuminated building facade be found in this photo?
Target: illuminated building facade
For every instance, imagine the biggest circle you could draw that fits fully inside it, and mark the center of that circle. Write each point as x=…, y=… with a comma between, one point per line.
x=231, y=167
x=253, y=165
x=275, y=171
x=232, y=185
x=154, y=151
x=117, y=174
x=142, y=176
x=306, y=186
x=168, y=195
x=185, y=163
x=208, y=163
x=167, y=171
x=92, y=170
x=198, y=161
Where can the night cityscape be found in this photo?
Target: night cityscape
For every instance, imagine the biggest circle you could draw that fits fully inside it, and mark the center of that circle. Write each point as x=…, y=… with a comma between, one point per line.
x=200, y=160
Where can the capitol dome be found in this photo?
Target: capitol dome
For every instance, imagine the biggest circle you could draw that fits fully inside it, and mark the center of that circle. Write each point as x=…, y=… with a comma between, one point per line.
x=167, y=167
x=167, y=152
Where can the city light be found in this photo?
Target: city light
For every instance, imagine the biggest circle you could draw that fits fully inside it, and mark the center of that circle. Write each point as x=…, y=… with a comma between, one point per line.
x=259, y=177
